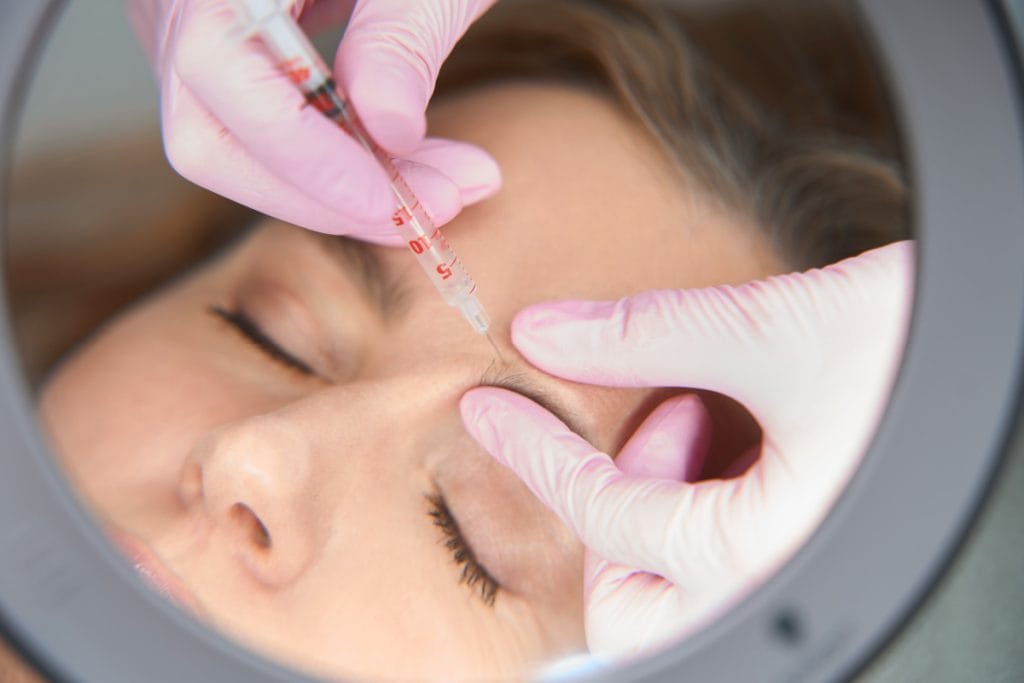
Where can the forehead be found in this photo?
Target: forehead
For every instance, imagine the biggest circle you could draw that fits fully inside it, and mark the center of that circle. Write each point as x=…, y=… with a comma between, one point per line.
x=590, y=205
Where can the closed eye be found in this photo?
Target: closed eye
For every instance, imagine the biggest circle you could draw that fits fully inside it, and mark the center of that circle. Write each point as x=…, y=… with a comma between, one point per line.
x=473, y=574
x=252, y=332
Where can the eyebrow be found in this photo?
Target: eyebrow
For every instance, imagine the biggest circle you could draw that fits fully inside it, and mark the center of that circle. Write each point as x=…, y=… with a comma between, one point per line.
x=390, y=297
x=356, y=258
x=508, y=377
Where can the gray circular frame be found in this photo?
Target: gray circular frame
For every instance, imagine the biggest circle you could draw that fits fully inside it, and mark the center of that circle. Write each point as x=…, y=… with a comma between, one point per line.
x=80, y=614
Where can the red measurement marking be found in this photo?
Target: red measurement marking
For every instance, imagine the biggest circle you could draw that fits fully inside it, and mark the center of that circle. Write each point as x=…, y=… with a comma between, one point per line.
x=444, y=271
x=400, y=216
x=422, y=243
x=298, y=76
x=296, y=70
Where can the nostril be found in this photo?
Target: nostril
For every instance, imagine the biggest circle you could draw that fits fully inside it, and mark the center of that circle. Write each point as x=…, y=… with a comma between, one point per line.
x=252, y=528
x=246, y=487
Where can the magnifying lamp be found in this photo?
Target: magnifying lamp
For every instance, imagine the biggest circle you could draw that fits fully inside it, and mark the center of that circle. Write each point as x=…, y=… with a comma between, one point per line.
x=76, y=612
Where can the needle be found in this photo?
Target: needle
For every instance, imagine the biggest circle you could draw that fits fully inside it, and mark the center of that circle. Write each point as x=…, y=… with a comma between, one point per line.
x=495, y=347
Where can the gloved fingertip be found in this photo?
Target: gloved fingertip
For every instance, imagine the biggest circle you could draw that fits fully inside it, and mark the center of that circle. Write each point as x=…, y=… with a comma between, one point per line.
x=439, y=195
x=684, y=412
x=472, y=405
x=671, y=443
x=391, y=104
x=537, y=332
x=548, y=332
x=505, y=422
x=554, y=314
x=478, y=408
x=485, y=179
x=473, y=170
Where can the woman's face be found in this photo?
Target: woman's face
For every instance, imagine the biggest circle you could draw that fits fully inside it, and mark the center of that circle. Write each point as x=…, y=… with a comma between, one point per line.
x=276, y=439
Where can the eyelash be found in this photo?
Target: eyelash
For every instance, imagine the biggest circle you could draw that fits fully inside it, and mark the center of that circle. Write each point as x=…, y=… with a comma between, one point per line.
x=248, y=328
x=473, y=573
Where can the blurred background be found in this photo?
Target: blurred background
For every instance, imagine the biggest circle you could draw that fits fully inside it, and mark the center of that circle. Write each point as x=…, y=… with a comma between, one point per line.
x=98, y=217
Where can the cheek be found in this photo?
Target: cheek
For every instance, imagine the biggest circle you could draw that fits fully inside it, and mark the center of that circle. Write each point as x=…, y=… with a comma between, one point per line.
x=123, y=414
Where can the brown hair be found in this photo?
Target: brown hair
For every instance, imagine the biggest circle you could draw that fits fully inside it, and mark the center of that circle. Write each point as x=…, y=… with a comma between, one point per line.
x=773, y=107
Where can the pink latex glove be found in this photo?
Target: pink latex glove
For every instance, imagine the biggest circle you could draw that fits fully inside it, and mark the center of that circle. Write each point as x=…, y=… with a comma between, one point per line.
x=811, y=355
x=233, y=124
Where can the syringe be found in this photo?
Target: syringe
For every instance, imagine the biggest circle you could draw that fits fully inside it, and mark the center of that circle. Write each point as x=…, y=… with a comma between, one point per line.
x=299, y=60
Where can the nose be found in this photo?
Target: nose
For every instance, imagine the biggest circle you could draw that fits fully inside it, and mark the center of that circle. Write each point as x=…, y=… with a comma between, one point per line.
x=253, y=480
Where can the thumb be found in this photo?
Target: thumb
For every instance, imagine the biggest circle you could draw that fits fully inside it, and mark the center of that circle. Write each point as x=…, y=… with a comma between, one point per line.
x=389, y=58
x=672, y=443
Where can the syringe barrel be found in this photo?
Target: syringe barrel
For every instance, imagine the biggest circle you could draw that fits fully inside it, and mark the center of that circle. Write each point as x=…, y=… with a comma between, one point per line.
x=429, y=246
x=298, y=59
x=285, y=40
x=426, y=241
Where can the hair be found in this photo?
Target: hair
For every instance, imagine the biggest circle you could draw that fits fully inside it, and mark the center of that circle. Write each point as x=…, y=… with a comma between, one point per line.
x=771, y=107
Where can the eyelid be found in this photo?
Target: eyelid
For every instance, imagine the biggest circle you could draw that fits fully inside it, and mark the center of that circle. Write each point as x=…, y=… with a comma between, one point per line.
x=473, y=571
x=248, y=328
x=324, y=326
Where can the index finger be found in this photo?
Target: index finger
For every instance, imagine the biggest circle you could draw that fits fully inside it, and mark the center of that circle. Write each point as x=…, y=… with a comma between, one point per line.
x=639, y=522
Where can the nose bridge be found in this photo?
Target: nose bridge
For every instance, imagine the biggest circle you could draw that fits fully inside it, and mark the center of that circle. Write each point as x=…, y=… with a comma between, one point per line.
x=270, y=482
x=374, y=415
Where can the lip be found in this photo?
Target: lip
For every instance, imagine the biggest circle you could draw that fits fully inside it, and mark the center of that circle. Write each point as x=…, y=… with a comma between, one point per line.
x=154, y=572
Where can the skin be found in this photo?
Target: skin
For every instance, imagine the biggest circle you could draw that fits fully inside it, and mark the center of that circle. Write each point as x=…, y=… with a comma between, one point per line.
x=295, y=505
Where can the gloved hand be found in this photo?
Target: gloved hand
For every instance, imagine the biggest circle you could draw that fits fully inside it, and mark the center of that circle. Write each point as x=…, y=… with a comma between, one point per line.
x=233, y=124
x=811, y=355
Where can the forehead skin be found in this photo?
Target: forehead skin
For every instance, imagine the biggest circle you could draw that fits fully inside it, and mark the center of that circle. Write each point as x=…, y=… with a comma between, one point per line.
x=339, y=468
x=592, y=206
